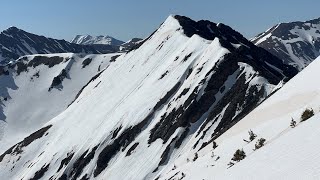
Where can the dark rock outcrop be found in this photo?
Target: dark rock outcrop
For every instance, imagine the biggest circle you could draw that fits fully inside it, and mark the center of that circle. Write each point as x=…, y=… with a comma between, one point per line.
x=18, y=148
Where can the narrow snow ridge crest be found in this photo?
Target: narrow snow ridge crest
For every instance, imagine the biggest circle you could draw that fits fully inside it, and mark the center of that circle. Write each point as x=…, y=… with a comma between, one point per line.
x=171, y=23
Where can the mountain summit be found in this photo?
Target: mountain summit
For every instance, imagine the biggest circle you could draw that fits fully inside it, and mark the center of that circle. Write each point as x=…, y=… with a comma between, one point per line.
x=170, y=96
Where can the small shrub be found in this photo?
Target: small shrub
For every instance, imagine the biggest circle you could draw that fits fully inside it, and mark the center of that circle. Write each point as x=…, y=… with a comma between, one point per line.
x=252, y=136
x=183, y=175
x=195, y=157
x=308, y=113
x=239, y=155
x=217, y=158
x=212, y=155
x=260, y=143
x=214, y=144
x=293, y=123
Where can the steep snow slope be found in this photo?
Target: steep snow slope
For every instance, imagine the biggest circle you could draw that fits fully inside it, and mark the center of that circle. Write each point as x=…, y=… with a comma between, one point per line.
x=36, y=88
x=89, y=40
x=183, y=86
x=297, y=43
x=15, y=42
x=289, y=153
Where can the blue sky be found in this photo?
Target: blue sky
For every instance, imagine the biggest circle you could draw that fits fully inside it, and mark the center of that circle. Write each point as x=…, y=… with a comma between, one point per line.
x=123, y=19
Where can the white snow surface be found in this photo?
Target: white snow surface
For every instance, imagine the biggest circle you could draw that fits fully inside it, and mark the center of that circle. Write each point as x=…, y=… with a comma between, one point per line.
x=29, y=94
x=289, y=153
x=123, y=95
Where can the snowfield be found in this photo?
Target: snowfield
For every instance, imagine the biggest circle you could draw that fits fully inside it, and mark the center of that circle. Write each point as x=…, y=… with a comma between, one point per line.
x=151, y=113
x=289, y=153
x=27, y=107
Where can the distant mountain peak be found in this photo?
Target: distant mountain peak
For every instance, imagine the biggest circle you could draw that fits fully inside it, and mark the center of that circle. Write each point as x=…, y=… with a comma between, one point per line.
x=15, y=42
x=101, y=39
x=12, y=29
x=297, y=43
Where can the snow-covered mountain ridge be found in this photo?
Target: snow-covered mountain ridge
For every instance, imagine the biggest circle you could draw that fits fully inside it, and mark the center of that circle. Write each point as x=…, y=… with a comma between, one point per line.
x=106, y=44
x=15, y=43
x=289, y=152
x=297, y=43
x=40, y=87
x=181, y=88
x=89, y=40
